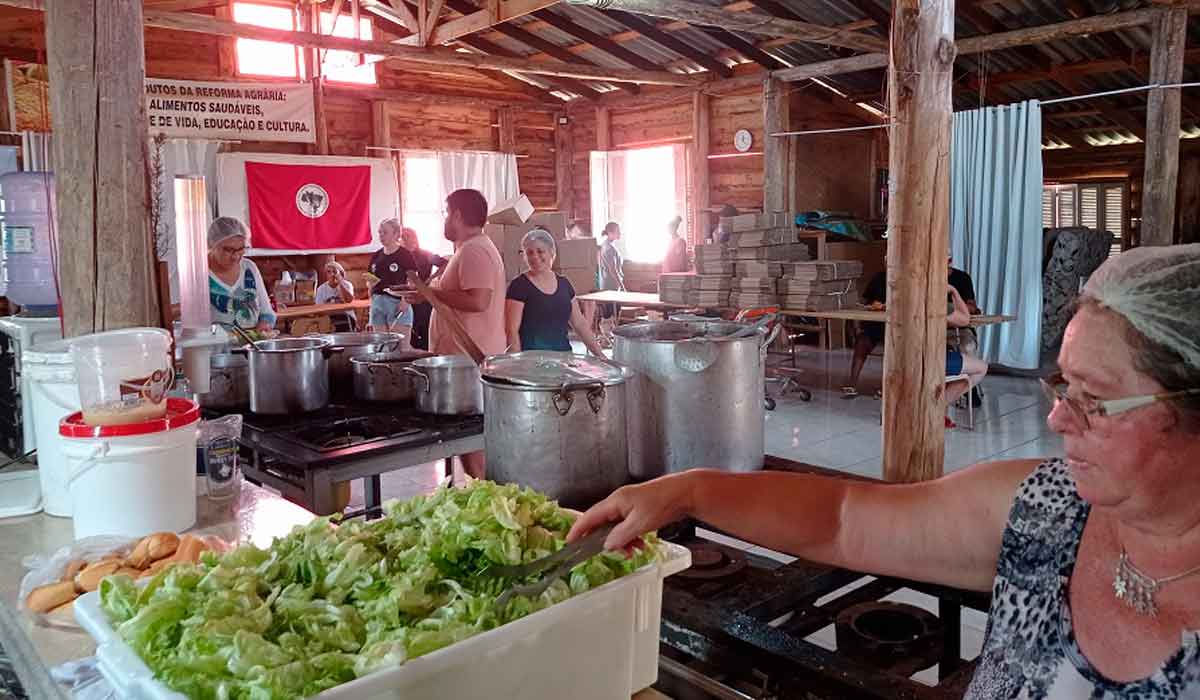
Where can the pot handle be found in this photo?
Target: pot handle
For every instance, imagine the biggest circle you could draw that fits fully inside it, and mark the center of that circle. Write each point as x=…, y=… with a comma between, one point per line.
x=562, y=400
x=417, y=373
x=595, y=397
x=331, y=351
x=391, y=346
x=372, y=366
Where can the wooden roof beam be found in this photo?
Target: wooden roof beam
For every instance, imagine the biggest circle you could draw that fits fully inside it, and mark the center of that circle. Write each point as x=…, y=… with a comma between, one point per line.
x=993, y=42
x=700, y=14
x=745, y=48
x=595, y=39
x=653, y=33
x=202, y=24
x=491, y=14
x=566, y=84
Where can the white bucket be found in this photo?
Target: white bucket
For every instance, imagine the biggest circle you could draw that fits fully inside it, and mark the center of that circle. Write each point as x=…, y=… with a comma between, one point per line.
x=133, y=479
x=123, y=375
x=54, y=394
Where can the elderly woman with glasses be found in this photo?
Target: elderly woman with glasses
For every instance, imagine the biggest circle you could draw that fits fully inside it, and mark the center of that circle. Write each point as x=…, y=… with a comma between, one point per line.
x=1093, y=560
x=235, y=286
x=540, y=305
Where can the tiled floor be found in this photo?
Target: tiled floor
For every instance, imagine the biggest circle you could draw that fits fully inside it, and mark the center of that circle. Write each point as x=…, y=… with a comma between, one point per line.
x=842, y=434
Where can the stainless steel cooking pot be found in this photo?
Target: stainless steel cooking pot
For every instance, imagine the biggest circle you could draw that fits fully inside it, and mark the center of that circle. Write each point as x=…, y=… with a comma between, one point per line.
x=381, y=376
x=556, y=422
x=447, y=385
x=289, y=375
x=341, y=372
x=229, y=382
x=697, y=399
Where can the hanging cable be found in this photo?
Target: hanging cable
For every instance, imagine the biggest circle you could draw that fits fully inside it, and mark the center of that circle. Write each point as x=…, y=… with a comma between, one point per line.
x=832, y=131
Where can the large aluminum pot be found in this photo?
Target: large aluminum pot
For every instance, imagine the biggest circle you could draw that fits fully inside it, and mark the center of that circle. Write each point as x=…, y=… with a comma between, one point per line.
x=289, y=375
x=341, y=372
x=697, y=399
x=447, y=385
x=556, y=422
x=381, y=376
x=229, y=382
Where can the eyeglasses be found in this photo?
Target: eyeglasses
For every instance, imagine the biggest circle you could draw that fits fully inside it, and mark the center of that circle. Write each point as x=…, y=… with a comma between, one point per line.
x=233, y=251
x=1055, y=387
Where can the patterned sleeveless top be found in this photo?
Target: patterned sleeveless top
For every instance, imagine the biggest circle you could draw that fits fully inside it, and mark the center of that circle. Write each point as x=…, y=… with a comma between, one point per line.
x=1030, y=650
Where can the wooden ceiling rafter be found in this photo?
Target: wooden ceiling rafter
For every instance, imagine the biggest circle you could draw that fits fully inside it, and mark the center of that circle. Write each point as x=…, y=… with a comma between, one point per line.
x=492, y=13
x=569, y=85
x=746, y=49
x=595, y=39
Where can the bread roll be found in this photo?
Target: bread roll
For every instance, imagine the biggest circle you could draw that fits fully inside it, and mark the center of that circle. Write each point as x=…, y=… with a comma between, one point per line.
x=89, y=579
x=46, y=598
x=162, y=545
x=73, y=568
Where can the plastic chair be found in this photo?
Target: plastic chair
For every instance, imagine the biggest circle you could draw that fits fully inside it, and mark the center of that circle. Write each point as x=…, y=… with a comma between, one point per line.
x=787, y=376
x=970, y=405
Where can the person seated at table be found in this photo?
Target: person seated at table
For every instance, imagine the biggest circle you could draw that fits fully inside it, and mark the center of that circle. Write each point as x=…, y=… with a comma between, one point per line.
x=390, y=265
x=337, y=290
x=540, y=305
x=676, y=259
x=423, y=261
x=236, y=290
x=959, y=363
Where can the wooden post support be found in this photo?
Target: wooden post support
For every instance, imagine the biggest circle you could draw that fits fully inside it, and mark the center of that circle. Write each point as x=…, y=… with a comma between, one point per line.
x=381, y=124
x=564, y=156
x=700, y=151
x=914, y=370
x=775, y=148
x=322, y=144
x=8, y=112
x=603, y=129
x=96, y=58
x=508, y=130
x=1162, y=128
x=1189, y=200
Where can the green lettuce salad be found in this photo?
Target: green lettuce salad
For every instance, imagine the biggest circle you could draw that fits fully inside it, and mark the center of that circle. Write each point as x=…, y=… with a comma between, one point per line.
x=332, y=602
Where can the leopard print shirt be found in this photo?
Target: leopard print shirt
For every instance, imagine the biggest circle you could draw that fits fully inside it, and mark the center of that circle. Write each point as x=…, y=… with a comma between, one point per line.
x=1030, y=650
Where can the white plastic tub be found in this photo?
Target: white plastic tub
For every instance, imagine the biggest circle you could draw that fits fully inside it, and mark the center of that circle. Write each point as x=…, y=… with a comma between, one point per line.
x=602, y=645
x=50, y=375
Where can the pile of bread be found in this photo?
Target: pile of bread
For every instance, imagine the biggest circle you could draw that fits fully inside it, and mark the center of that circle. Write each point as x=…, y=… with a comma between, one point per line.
x=150, y=555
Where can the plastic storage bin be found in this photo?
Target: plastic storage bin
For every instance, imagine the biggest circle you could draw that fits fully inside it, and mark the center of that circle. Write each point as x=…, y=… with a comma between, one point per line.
x=602, y=645
x=123, y=375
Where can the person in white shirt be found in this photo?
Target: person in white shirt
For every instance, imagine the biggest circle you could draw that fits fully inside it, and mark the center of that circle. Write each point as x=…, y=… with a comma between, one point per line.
x=338, y=290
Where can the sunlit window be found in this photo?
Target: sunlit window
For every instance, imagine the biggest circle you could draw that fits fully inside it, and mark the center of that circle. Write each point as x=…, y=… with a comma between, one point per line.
x=422, y=202
x=344, y=66
x=268, y=58
x=641, y=189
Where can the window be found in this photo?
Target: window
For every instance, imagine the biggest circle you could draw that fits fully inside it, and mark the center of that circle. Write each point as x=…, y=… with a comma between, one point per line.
x=421, y=201
x=1099, y=206
x=344, y=66
x=267, y=58
x=641, y=189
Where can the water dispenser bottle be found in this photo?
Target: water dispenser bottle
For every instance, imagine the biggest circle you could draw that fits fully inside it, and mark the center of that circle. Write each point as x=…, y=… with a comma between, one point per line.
x=27, y=217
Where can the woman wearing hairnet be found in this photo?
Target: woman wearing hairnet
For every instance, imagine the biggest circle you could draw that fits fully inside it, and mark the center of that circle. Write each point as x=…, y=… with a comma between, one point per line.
x=235, y=286
x=540, y=305
x=1093, y=560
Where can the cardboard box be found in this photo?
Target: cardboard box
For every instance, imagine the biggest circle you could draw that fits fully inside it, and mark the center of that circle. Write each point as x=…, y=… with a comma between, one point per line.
x=512, y=212
x=553, y=221
x=582, y=279
x=578, y=253
x=756, y=222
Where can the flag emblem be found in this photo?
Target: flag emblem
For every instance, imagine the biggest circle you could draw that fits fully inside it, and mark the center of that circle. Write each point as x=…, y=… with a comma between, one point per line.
x=312, y=200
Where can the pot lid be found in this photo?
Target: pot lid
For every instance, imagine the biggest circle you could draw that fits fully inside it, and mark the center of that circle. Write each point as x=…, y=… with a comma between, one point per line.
x=552, y=370
x=180, y=413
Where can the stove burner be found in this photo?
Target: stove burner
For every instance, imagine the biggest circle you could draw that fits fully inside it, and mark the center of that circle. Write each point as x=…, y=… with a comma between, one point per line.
x=890, y=636
x=710, y=562
x=340, y=442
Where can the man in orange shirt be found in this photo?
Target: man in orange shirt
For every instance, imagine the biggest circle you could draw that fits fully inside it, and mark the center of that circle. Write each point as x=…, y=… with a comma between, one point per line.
x=473, y=285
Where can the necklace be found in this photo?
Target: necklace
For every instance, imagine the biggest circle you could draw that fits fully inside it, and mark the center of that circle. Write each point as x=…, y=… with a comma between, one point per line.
x=1137, y=590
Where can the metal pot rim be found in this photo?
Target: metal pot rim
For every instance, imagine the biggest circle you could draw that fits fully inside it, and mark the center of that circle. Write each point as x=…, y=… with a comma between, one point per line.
x=629, y=332
x=399, y=357
x=445, y=362
x=298, y=345
x=355, y=339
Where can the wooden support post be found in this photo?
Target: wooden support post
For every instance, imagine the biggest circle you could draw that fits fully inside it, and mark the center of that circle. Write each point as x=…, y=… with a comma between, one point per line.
x=603, y=129
x=96, y=58
x=322, y=144
x=226, y=45
x=700, y=151
x=564, y=174
x=914, y=369
x=1162, y=128
x=1189, y=200
x=775, y=148
x=508, y=130
x=381, y=124
x=8, y=111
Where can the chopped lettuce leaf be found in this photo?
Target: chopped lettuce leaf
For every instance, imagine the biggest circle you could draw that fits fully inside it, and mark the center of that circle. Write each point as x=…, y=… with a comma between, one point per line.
x=333, y=602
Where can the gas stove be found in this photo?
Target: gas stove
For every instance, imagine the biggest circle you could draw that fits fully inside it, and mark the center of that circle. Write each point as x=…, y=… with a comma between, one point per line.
x=744, y=624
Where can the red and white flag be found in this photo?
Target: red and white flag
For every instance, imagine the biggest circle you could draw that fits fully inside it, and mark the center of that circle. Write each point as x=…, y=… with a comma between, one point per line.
x=308, y=207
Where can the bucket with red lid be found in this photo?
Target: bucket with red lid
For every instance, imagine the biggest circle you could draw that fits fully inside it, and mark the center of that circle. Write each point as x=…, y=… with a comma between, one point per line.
x=135, y=478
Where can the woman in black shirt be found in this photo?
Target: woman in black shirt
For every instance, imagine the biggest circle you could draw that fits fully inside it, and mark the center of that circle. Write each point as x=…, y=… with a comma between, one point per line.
x=540, y=305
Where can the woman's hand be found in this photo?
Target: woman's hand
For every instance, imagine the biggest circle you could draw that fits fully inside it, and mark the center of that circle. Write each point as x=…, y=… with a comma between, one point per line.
x=638, y=509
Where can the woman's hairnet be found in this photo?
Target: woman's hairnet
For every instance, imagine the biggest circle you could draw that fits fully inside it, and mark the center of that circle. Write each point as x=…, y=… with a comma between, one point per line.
x=541, y=237
x=337, y=266
x=225, y=227
x=1157, y=290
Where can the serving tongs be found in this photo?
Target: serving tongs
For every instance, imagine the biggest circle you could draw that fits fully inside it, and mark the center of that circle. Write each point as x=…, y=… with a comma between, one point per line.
x=554, y=566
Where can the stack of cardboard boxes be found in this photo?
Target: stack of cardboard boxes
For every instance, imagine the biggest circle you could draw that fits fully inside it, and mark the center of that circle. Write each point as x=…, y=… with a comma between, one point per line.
x=760, y=246
x=708, y=286
x=820, y=286
x=507, y=226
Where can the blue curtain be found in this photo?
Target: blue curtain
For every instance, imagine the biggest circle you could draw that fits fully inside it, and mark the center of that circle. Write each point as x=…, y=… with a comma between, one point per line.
x=996, y=223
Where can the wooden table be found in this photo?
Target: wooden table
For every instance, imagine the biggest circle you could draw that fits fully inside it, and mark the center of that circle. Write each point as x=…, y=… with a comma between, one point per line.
x=302, y=311
x=871, y=316
x=639, y=299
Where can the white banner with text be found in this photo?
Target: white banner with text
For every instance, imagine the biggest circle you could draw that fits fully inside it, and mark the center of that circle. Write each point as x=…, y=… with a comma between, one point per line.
x=236, y=111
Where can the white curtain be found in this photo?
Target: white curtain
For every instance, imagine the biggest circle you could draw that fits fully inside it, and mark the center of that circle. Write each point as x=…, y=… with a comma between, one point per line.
x=493, y=174
x=996, y=223
x=181, y=157
x=37, y=152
